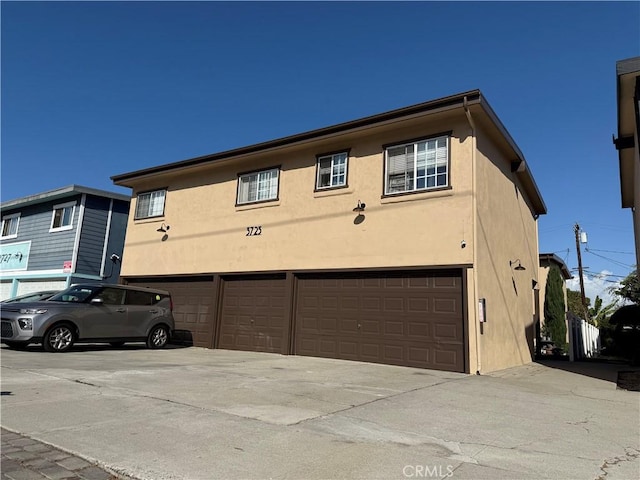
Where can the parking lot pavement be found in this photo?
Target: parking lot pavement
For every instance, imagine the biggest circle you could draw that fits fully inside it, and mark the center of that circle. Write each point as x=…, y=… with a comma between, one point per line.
x=192, y=413
x=23, y=458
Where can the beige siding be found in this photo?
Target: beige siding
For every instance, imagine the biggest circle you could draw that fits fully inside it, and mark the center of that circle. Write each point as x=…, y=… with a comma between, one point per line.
x=306, y=229
x=506, y=231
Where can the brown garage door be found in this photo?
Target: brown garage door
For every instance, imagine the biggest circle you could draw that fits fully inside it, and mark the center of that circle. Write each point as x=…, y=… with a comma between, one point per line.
x=401, y=318
x=192, y=307
x=253, y=315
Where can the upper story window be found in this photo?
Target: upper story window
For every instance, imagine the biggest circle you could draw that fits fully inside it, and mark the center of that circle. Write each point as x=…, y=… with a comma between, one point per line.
x=62, y=218
x=10, y=225
x=332, y=171
x=150, y=204
x=416, y=166
x=258, y=186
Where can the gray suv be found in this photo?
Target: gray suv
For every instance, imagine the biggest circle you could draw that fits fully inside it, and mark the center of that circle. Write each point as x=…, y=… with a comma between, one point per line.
x=90, y=313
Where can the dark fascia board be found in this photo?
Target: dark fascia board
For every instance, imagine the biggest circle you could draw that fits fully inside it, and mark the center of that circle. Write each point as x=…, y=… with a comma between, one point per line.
x=450, y=101
x=459, y=100
x=59, y=193
x=553, y=258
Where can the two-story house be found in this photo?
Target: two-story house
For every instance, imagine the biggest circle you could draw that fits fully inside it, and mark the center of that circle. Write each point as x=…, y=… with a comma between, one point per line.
x=408, y=238
x=53, y=239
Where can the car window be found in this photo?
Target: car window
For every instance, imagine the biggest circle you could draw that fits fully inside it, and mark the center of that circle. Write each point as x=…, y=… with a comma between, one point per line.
x=75, y=294
x=135, y=297
x=111, y=296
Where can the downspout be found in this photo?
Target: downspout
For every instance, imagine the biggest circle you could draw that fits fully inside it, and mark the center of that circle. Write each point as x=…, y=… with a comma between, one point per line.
x=474, y=211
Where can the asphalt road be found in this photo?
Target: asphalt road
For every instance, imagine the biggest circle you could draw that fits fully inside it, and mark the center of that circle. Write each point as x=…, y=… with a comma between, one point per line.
x=191, y=413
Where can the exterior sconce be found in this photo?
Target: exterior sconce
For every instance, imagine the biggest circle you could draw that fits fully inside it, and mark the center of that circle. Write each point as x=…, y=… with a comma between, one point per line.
x=518, y=265
x=164, y=228
x=360, y=207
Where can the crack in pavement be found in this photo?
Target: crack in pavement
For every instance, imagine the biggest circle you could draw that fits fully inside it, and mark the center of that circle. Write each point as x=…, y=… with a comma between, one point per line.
x=629, y=455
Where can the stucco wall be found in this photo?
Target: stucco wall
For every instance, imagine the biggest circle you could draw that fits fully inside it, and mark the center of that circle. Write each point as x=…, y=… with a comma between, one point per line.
x=306, y=229
x=506, y=231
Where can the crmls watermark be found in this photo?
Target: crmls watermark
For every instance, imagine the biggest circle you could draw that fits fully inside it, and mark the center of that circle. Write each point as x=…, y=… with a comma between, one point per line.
x=427, y=471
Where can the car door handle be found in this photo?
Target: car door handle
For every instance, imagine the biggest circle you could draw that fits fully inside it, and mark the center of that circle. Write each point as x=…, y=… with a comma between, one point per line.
x=121, y=310
x=153, y=311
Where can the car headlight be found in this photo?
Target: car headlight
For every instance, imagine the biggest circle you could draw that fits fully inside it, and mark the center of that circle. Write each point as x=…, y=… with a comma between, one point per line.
x=25, y=323
x=33, y=311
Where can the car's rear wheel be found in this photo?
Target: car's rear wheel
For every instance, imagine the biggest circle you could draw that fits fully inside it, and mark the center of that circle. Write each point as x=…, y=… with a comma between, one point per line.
x=17, y=345
x=59, y=338
x=116, y=344
x=158, y=337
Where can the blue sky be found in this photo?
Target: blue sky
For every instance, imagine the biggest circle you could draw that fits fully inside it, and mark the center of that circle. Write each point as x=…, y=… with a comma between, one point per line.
x=94, y=89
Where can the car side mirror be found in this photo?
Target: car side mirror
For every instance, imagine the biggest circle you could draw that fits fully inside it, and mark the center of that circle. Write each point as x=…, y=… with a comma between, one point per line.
x=97, y=301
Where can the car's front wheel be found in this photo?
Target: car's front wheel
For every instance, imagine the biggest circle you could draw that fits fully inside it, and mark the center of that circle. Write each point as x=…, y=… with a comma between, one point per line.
x=17, y=345
x=59, y=338
x=158, y=337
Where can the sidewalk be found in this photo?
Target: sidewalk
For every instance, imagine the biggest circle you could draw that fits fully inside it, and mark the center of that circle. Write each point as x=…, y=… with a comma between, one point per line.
x=26, y=459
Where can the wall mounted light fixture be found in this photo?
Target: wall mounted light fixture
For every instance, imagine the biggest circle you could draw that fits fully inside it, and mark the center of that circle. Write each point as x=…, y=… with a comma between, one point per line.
x=360, y=207
x=164, y=228
x=518, y=265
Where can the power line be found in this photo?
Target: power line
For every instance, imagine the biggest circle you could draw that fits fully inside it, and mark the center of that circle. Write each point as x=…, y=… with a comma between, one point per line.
x=608, y=259
x=609, y=251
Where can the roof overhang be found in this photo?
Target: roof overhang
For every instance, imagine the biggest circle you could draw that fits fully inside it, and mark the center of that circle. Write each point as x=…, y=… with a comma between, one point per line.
x=472, y=99
x=61, y=193
x=553, y=259
x=628, y=96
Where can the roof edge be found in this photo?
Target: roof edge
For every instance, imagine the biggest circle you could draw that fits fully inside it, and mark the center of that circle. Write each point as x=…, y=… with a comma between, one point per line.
x=552, y=257
x=452, y=100
x=67, y=191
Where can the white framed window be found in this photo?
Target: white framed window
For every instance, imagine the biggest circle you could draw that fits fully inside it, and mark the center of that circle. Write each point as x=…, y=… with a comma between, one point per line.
x=150, y=204
x=10, y=225
x=62, y=218
x=332, y=171
x=416, y=166
x=258, y=186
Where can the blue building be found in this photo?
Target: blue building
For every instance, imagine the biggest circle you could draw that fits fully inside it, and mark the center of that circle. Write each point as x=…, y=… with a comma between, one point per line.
x=54, y=239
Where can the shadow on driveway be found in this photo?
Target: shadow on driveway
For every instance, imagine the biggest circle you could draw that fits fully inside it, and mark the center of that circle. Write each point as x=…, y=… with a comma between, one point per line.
x=618, y=372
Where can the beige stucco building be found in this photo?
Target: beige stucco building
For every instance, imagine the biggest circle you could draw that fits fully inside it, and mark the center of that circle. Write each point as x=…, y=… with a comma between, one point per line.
x=627, y=143
x=373, y=240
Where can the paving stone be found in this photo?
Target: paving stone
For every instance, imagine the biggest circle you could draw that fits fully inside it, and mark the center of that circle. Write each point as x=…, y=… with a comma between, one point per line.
x=39, y=447
x=11, y=449
x=94, y=473
x=8, y=465
x=73, y=463
x=24, y=474
x=57, y=473
x=55, y=455
x=21, y=442
x=22, y=455
x=39, y=463
x=26, y=459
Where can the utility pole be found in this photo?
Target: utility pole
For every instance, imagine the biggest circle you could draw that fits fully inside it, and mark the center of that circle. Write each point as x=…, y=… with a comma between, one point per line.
x=576, y=229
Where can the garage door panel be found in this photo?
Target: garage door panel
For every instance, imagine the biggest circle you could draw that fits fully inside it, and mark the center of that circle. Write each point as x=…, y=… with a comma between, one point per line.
x=402, y=318
x=192, y=307
x=253, y=314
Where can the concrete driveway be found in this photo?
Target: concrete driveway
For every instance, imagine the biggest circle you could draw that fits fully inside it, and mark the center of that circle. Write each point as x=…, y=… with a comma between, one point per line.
x=191, y=413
